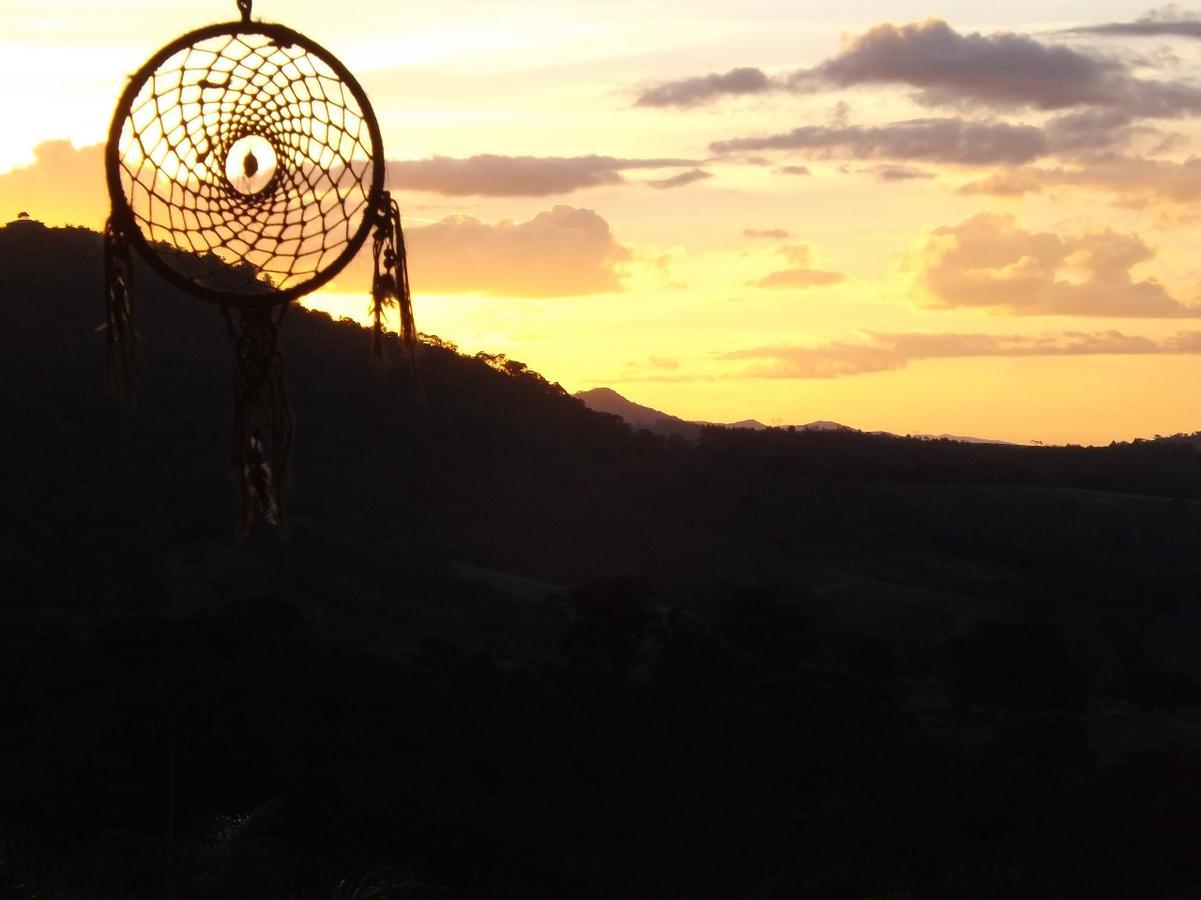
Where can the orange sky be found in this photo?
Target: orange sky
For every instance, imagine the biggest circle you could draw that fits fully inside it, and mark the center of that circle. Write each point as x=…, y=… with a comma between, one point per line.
x=903, y=218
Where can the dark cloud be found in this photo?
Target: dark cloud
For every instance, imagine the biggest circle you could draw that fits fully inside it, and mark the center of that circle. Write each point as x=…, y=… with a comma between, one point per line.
x=696, y=91
x=1168, y=21
x=490, y=175
x=883, y=352
x=798, y=278
x=930, y=140
x=988, y=262
x=680, y=180
x=900, y=173
x=1005, y=70
x=775, y=234
x=793, y=170
x=1091, y=130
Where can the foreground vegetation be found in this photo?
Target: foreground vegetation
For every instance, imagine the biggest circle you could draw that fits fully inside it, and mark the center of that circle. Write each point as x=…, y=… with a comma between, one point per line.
x=508, y=648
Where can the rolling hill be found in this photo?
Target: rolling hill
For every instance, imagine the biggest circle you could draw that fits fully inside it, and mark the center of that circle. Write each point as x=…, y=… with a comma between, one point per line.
x=510, y=647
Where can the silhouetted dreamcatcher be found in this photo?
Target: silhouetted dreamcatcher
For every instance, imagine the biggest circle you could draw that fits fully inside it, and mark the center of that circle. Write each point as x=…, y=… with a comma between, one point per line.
x=245, y=166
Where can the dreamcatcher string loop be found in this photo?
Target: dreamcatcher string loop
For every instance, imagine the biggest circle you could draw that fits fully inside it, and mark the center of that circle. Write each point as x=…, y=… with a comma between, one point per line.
x=120, y=338
x=262, y=420
x=390, y=281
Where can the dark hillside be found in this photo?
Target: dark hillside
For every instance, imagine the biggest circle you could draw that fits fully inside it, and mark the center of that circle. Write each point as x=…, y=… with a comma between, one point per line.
x=511, y=648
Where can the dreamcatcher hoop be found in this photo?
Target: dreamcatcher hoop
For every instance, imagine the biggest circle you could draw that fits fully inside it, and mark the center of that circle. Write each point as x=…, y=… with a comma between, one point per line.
x=245, y=165
x=179, y=123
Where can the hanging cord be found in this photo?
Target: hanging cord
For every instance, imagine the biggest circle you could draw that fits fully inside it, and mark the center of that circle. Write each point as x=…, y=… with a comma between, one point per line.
x=263, y=423
x=390, y=285
x=244, y=9
x=121, y=340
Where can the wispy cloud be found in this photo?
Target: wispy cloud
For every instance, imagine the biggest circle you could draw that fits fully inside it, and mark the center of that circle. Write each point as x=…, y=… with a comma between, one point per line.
x=491, y=175
x=798, y=278
x=1134, y=179
x=676, y=181
x=943, y=140
x=1167, y=21
x=701, y=89
x=885, y=351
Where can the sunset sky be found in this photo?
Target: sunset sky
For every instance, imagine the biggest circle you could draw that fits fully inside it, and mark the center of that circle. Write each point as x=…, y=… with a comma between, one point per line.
x=915, y=218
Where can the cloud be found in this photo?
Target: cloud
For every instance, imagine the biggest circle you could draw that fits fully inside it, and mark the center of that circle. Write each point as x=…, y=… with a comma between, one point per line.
x=63, y=185
x=1092, y=130
x=1006, y=183
x=489, y=175
x=931, y=140
x=776, y=234
x=696, y=91
x=560, y=252
x=793, y=170
x=680, y=180
x=884, y=352
x=1168, y=21
x=1135, y=179
x=988, y=262
x=1005, y=70
x=900, y=173
x=798, y=278
x=800, y=273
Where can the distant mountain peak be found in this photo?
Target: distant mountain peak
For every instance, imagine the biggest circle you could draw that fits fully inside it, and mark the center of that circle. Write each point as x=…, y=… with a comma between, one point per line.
x=607, y=400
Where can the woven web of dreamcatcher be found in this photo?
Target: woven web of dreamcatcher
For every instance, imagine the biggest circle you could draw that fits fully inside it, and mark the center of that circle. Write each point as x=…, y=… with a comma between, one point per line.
x=250, y=157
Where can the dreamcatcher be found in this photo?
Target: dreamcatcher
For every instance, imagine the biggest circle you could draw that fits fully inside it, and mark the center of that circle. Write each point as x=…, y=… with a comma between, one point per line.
x=246, y=167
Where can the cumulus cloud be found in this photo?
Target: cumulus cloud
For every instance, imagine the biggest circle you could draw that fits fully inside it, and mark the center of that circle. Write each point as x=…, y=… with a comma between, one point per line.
x=883, y=351
x=560, y=252
x=932, y=140
x=684, y=178
x=63, y=185
x=988, y=262
x=490, y=175
x=695, y=91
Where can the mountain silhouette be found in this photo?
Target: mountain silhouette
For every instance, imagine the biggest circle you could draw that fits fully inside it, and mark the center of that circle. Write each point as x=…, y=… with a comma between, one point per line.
x=511, y=647
x=607, y=400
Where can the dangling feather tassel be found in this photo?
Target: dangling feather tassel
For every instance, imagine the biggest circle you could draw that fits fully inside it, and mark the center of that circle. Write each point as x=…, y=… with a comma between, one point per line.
x=262, y=426
x=390, y=285
x=121, y=340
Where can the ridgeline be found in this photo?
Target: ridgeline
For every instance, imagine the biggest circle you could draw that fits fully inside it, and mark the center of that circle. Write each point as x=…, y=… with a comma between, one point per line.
x=510, y=647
